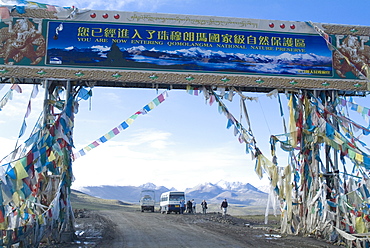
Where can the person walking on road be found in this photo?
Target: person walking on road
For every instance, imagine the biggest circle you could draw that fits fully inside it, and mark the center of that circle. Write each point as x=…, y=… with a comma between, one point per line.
x=224, y=206
x=204, y=206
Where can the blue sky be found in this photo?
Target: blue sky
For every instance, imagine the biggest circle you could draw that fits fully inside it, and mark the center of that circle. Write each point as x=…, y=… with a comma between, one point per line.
x=182, y=142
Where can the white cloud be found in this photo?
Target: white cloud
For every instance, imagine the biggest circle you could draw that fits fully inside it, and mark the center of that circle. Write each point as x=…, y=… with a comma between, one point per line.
x=154, y=138
x=139, y=159
x=148, y=151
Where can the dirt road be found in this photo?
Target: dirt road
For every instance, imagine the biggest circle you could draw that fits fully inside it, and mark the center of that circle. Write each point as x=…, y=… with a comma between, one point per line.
x=159, y=230
x=115, y=224
x=137, y=230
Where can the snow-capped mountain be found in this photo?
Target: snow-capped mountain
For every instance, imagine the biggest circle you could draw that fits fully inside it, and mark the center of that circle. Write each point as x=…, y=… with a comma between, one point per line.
x=152, y=186
x=235, y=185
x=265, y=188
x=234, y=192
x=136, y=49
x=192, y=58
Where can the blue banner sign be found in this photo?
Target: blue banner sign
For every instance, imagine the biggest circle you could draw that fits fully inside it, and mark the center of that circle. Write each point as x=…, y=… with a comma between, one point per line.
x=179, y=48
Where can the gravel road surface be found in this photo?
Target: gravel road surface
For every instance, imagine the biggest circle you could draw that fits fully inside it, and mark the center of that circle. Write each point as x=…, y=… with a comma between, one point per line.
x=137, y=230
x=118, y=228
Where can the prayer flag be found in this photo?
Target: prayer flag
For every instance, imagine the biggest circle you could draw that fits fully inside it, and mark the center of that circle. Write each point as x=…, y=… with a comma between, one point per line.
x=147, y=108
x=124, y=125
x=329, y=131
x=84, y=94
x=51, y=8
x=229, y=123
x=129, y=121
x=103, y=139
x=82, y=152
x=28, y=110
x=2, y=214
x=161, y=98
x=351, y=153
x=156, y=101
x=151, y=105
x=51, y=156
x=87, y=148
x=17, y=88
x=212, y=100
x=115, y=131
x=23, y=129
x=111, y=134
x=11, y=172
x=359, y=157
x=367, y=162
x=35, y=91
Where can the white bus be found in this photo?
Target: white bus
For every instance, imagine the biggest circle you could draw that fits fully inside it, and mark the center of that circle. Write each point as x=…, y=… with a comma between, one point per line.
x=170, y=201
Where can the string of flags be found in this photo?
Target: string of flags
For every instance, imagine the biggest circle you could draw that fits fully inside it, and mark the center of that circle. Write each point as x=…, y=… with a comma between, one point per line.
x=20, y=6
x=318, y=192
x=35, y=180
x=364, y=111
x=124, y=125
x=193, y=90
x=327, y=200
x=34, y=93
x=9, y=94
x=331, y=202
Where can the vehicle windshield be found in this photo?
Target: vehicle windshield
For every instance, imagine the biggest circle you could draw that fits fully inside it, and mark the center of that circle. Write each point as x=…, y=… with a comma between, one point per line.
x=176, y=197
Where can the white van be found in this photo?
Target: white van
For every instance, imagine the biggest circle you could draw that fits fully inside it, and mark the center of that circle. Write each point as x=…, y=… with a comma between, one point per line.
x=170, y=201
x=147, y=200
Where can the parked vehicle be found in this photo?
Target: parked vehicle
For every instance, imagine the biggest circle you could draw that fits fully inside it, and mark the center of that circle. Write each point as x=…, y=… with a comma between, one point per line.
x=170, y=201
x=147, y=200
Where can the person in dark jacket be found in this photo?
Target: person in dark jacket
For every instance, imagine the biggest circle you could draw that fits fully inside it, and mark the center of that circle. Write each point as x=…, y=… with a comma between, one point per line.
x=189, y=207
x=204, y=206
x=224, y=206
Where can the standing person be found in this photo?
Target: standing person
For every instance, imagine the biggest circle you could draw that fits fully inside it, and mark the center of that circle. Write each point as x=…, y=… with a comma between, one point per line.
x=182, y=206
x=194, y=205
x=204, y=206
x=189, y=207
x=224, y=206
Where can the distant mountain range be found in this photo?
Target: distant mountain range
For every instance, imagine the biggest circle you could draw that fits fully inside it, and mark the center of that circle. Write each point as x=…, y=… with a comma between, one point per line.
x=193, y=58
x=234, y=192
